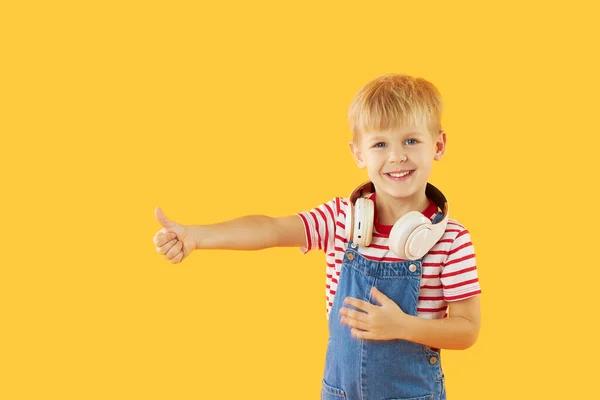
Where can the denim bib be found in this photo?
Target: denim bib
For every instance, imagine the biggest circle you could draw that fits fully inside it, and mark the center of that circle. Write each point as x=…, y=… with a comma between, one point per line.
x=357, y=369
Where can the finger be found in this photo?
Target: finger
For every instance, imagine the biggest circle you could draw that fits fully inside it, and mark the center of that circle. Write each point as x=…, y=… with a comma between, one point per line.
x=174, y=250
x=377, y=295
x=360, y=304
x=161, y=238
x=178, y=258
x=354, y=323
x=358, y=315
x=157, y=235
x=162, y=218
x=357, y=333
x=167, y=246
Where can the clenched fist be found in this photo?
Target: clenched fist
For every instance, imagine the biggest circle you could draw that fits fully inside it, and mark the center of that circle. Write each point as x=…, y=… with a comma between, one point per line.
x=174, y=241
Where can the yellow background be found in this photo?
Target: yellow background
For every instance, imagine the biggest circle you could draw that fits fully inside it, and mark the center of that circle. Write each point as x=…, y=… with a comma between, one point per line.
x=212, y=111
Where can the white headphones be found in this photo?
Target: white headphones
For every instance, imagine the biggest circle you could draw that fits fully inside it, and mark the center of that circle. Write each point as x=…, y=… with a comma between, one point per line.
x=412, y=236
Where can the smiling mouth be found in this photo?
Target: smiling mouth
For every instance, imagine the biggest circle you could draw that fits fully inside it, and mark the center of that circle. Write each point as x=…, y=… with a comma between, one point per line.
x=399, y=175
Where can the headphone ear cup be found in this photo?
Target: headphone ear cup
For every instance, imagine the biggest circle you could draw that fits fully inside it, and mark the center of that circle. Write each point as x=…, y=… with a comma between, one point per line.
x=424, y=238
x=406, y=239
x=363, y=222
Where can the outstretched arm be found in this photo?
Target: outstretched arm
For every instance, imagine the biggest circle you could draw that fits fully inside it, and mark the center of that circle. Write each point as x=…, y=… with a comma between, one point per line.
x=252, y=232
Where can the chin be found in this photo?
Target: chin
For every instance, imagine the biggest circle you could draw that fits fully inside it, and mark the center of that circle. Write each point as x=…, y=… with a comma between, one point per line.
x=396, y=192
x=402, y=189
x=401, y=194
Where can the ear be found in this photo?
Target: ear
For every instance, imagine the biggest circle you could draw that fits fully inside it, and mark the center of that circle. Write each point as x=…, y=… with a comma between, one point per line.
x=440, y=146
x=357, y=155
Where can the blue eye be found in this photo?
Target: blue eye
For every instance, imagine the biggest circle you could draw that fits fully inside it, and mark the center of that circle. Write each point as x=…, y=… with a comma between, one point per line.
x=412, y=141
x=380, y=144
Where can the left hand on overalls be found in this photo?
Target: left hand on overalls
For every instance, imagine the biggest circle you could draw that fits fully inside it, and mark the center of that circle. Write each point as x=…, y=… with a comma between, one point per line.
x=384, y=322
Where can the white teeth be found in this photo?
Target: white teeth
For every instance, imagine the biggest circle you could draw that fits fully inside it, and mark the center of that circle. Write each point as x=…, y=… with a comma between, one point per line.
x=400, y=175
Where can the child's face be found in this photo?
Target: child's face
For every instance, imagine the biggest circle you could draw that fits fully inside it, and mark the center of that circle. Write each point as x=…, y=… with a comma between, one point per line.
x=399, y=161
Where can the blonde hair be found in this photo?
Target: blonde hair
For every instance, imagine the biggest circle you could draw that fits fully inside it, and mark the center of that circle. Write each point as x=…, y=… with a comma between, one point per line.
x=395, y=101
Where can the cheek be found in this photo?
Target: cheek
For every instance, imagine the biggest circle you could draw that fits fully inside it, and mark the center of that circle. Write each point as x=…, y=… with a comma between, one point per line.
x=425, y=156
x=375, y=160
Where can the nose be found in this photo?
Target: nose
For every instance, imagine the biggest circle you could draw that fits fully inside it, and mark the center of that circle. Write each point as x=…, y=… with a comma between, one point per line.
x=398, y=156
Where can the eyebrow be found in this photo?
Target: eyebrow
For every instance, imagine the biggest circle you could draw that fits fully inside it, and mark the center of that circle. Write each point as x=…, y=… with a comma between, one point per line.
x=380, y=137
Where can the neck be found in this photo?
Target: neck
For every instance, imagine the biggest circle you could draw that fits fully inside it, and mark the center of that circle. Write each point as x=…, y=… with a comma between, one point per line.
x=391, y=209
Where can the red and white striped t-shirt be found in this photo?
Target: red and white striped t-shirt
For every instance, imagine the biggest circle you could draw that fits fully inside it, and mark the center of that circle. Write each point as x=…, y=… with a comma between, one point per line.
x=449, y=269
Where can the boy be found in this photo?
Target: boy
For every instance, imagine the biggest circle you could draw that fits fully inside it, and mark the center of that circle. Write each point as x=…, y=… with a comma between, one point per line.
x=392, y=274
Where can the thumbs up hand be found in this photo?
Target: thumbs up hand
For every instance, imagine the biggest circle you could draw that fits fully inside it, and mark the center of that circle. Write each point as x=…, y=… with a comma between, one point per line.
x=173, y=240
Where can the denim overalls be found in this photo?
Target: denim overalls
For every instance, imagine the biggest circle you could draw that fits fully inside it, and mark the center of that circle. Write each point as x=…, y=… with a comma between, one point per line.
x=358, y=369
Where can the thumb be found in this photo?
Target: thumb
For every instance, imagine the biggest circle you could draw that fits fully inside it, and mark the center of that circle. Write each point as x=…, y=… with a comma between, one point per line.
x=162, y=219
x=377, y=295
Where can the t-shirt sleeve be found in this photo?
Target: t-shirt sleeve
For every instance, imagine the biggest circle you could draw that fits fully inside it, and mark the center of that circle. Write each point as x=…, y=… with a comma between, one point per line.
x=319, y=226
x=459, y=274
